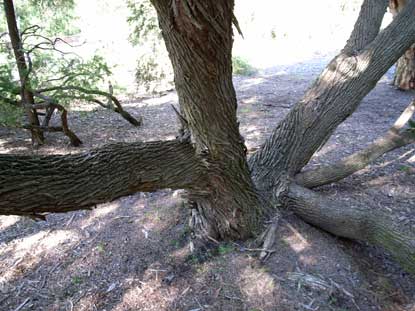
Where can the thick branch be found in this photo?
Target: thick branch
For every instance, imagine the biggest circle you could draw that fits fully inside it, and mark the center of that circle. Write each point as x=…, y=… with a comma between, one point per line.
x=353, y=223
x=392, y=140
x=31, y=185
x=333, y=98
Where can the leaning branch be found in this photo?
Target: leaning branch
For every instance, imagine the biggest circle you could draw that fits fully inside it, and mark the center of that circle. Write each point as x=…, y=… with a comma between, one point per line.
x=392, y=140
x=35, y=185
x=353, y=223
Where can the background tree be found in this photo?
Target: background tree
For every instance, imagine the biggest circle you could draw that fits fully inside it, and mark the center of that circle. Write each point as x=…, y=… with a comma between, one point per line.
x=229, y=195
x=50, y=74
x=405, y=67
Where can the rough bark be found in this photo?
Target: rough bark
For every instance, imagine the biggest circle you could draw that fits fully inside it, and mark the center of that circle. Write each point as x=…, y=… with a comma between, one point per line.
x=32, y=185
x=354, y=223
x=405, y=67
x=392, y=140
x=332, y=98
x=198, y=36
x=26, y=94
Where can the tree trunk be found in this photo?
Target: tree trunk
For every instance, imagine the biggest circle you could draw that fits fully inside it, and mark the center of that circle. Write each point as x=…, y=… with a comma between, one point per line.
x=26, y=94
x=198, y=36
x=405, y=67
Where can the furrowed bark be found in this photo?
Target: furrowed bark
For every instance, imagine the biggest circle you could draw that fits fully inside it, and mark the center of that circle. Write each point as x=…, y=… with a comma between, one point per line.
x=27, y=96
x=332, y=98
x=392, y=140
x=33, y=185
x=353, y=223
x=198, y=37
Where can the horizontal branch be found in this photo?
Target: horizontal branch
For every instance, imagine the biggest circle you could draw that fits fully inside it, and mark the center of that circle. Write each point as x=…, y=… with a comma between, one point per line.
x=353, y=223
x=33, y=185
x=392, y=140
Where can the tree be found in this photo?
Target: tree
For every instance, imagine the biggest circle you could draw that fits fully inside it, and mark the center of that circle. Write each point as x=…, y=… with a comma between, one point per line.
x=405, y=67
x=230, y=195
x=50, y=90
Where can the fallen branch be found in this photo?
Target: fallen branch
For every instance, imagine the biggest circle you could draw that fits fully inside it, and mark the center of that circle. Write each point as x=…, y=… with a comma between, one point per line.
x=52, y=105
x=118, y=107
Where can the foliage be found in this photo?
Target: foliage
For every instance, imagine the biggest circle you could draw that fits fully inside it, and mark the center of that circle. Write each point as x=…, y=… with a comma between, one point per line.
x=240, y=66
x=154, y=70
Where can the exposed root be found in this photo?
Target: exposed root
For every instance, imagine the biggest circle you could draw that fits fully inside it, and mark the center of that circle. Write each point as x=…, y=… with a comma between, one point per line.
x=353, y=223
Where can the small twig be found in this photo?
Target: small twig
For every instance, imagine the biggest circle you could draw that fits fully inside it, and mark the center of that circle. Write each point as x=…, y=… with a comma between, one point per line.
x=22, y=304
x=70, y=221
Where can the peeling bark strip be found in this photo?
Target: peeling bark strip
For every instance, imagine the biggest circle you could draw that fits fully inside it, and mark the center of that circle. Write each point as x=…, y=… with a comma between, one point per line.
x=31, y=185
x=198, y=36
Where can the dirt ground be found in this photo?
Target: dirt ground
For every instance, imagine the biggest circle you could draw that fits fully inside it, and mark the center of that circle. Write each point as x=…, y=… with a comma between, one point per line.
x=133, y=253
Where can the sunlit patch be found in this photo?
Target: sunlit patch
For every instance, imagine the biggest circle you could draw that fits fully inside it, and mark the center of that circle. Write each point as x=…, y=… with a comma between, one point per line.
x=259, y=287
x=29, y=251
x=296, y=241
x=412, y=158
x=308, y=260
x=155, y=101
x=8, y=221
x=100, y=212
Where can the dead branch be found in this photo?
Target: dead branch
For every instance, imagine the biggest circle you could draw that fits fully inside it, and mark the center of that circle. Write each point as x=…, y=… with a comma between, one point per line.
x=51, y=104
x=119, y=108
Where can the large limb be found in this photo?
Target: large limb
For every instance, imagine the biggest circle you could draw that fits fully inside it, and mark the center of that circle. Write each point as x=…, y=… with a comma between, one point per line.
x=392, y=140
x=33, y=185
x=331, y=99
x=353, y=223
